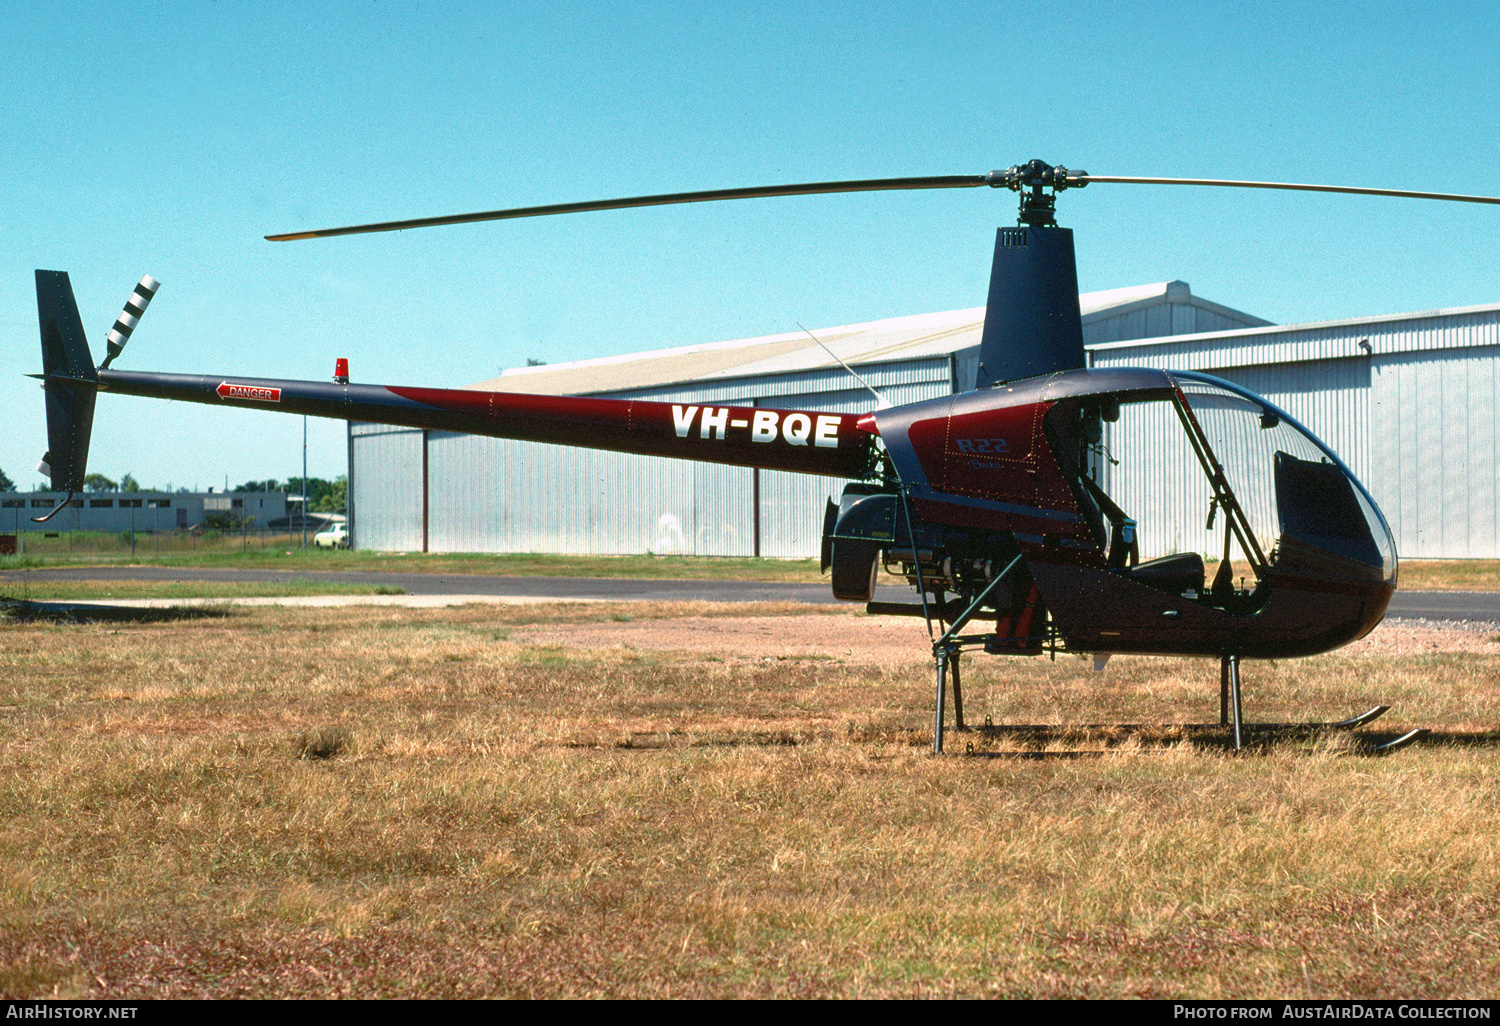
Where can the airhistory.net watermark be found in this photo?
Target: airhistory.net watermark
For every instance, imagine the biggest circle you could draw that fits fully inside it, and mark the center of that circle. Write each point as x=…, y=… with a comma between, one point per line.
x=42, y=1010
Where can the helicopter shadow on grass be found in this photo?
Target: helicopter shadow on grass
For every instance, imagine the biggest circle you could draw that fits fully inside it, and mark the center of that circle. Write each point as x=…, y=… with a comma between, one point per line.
x=14, y=610
x=1041, y=742
x=656, y=740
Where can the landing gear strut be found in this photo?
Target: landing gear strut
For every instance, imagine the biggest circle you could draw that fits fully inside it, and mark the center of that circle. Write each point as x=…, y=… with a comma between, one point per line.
x=1231, y=709
x=1229, y=698
x=946, y=650
x=947, y=657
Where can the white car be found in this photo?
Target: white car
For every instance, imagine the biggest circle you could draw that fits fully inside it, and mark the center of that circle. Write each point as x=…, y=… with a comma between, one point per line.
x=333, y=537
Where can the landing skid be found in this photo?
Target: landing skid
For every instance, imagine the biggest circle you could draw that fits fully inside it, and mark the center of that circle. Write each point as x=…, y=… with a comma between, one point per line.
x=1036, y=740
x=1230, y=711
x=1312, y=728
x=1158, y=735
x=1283, y=731
x=1409, y=738
x=1368, y=716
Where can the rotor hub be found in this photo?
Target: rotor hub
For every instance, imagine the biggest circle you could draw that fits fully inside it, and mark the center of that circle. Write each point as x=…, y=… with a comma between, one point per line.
x=1032, y=180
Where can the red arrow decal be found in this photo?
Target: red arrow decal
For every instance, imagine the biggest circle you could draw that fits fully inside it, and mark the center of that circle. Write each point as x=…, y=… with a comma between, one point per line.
x=265, y=395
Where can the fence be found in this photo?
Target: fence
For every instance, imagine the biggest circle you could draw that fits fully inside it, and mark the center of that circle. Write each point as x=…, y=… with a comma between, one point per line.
x=113, y=544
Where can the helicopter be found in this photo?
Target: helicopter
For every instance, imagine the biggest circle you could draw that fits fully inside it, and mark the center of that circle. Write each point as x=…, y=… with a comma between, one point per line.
x=1005, y=507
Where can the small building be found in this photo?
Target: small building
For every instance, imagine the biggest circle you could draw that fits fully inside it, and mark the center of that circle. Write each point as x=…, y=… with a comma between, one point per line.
x=139, y=511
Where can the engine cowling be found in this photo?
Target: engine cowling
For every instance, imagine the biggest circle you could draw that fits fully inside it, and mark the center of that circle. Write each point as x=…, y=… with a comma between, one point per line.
x=867, y=531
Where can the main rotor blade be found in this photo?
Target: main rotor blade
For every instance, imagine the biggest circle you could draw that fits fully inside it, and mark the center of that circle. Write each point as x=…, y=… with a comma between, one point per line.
x=812, y=188
x=1086, y=179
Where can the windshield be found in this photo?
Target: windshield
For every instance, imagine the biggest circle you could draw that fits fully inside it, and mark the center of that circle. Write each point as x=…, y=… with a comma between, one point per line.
x=1295, y=493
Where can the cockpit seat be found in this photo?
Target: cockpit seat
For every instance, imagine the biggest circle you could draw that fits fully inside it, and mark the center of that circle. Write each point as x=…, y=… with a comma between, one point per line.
x=1174, y=574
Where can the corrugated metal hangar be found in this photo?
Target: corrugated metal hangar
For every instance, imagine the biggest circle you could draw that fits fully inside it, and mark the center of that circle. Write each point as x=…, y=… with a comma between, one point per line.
x=1408, y=401
x=137, y=511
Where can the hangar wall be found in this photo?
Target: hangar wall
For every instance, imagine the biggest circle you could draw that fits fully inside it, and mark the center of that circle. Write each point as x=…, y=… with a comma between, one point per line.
x=385, y=492
x=1434, y=468
x=498, y=495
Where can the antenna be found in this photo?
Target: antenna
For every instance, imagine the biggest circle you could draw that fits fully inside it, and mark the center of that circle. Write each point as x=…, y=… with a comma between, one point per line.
x=885, y=403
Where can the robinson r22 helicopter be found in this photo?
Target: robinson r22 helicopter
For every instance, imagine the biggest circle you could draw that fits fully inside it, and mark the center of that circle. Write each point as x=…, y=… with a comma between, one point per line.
x=1006, y=507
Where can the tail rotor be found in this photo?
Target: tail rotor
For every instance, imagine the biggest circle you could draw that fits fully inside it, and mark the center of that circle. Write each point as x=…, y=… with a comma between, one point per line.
x=135, y=307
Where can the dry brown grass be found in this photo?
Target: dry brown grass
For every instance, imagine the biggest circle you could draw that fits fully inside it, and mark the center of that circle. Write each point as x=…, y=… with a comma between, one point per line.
x=715, y=801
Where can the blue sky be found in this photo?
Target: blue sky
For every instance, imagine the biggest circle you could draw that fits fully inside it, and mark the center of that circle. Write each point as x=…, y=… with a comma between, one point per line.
x=168, y=138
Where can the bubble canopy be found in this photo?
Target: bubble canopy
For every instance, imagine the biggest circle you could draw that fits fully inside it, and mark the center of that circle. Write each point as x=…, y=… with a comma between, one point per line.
x=1297, y=496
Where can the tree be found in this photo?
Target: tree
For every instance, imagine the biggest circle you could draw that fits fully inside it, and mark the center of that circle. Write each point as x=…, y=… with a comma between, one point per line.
x=98, y=483
x=6, y=484
x=128, y=483
x=335, y=499
x=318, y=489
x=268, y=485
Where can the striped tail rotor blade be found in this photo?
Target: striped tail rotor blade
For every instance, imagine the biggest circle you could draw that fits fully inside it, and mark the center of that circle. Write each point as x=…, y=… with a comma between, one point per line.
x=135, y=306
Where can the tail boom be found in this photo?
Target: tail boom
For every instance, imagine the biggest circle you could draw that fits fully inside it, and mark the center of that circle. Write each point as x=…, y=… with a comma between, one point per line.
x=828, y=444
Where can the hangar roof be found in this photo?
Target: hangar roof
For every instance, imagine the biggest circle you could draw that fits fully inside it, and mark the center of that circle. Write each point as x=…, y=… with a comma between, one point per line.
x=1110, y=314
x=1458, y=327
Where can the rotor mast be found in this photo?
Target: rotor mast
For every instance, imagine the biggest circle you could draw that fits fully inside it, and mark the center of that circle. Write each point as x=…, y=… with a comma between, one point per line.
x=1032, y=180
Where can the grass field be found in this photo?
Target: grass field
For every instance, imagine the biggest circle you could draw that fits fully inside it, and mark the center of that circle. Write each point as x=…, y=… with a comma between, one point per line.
x=646, y=800
x=1450, y=574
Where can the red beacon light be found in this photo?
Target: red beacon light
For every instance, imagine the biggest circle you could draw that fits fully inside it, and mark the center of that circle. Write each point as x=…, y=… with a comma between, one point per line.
x=341, y=371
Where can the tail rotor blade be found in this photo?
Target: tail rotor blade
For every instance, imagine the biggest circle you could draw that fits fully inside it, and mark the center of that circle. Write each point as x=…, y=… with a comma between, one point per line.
x=135, y=306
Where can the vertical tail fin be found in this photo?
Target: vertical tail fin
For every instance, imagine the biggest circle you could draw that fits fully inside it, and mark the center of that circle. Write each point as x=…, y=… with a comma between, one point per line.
x=70, y=381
